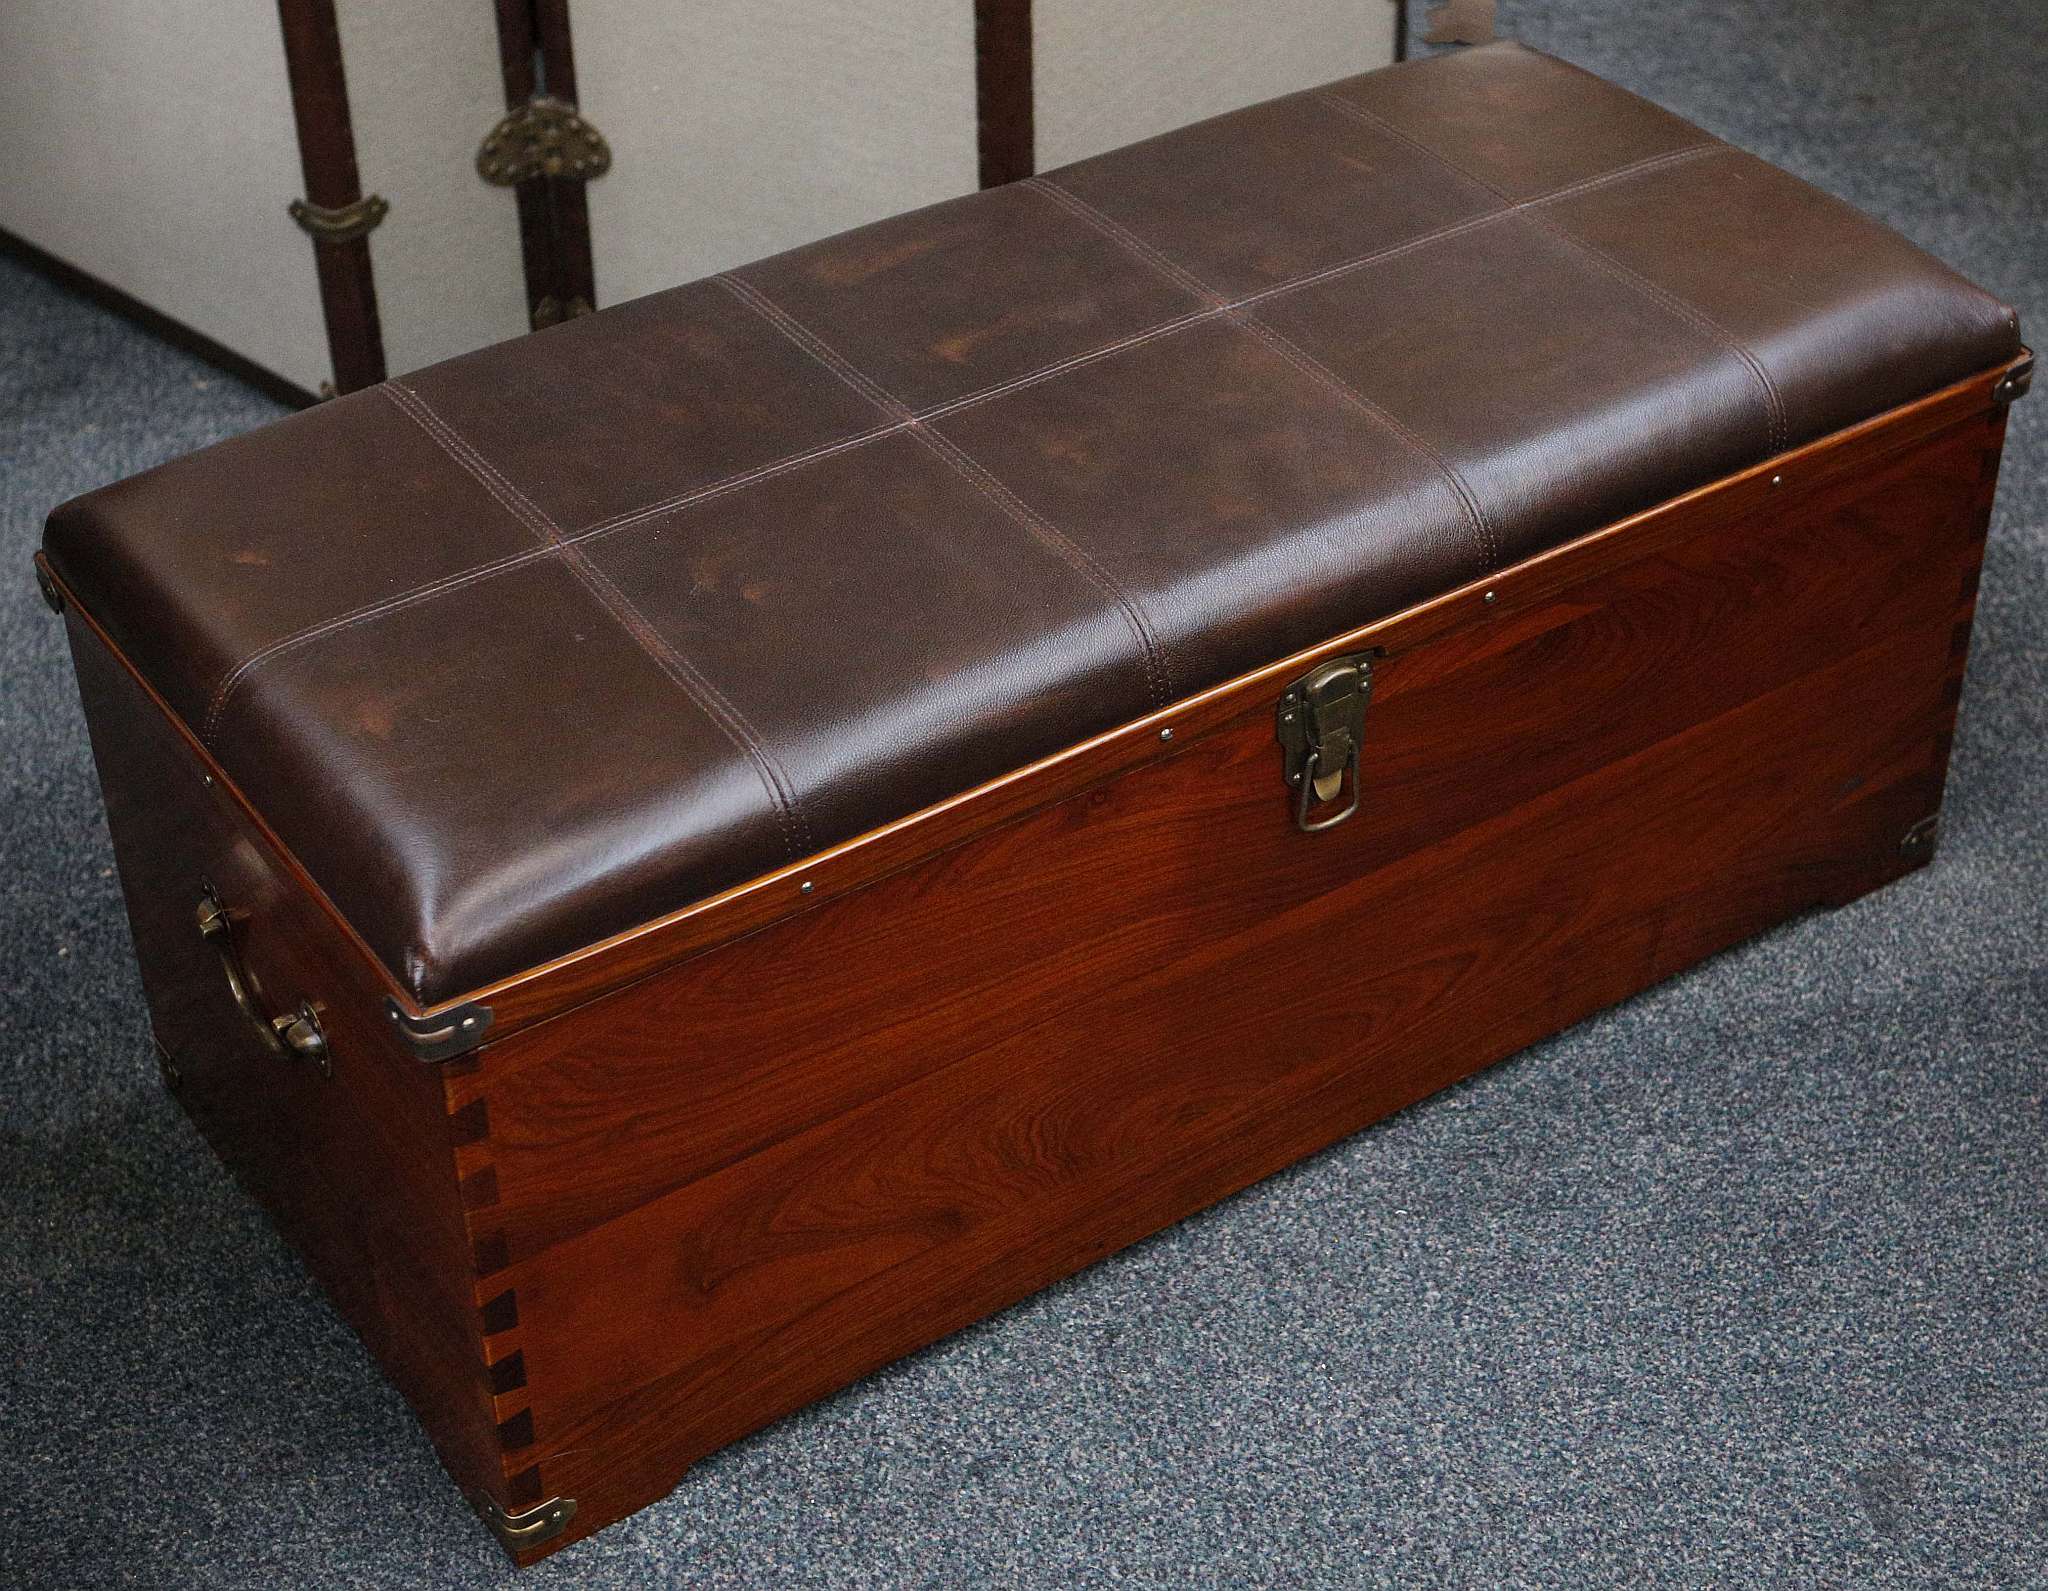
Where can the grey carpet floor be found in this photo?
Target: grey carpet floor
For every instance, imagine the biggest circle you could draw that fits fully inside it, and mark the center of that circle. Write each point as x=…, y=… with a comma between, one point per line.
x=1740, y=1284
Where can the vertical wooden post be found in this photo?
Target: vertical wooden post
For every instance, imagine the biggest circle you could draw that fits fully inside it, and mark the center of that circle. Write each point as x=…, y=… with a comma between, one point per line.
x=536, y=55
x=327, y=156
x=1003, y=90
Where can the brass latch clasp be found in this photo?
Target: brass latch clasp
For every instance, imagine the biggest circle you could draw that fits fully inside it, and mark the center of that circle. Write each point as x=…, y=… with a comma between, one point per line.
x=1320, y=723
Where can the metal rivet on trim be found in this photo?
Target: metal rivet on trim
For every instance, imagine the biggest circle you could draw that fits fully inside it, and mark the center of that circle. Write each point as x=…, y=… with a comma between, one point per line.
x=1166, y=734
x=1492, y=596
x=808, y=886
x=1777, y=480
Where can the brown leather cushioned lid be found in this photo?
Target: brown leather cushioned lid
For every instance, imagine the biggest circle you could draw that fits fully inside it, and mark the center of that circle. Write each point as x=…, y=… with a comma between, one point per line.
x=529, y=647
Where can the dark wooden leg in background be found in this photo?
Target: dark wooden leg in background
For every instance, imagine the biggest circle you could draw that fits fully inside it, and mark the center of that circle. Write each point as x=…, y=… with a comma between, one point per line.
x=335, y=212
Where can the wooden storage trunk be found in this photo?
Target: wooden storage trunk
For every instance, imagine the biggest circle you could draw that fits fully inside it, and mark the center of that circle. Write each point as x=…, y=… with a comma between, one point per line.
x=687, y=857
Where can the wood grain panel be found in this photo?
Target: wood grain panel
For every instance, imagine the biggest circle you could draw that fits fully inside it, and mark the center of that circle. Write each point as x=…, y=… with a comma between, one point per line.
x=641, y=1094
x=781, y=1166
x=769, y=1284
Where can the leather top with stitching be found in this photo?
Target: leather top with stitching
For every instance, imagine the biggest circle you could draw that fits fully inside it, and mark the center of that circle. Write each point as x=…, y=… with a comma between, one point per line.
x=523, y=649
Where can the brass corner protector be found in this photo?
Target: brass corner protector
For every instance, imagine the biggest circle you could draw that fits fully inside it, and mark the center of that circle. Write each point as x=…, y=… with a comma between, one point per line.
x=46, y=583
x=2015, y=382
x=442, y=1036
x=543, y=138
x=342, y=223
x=530, y=1526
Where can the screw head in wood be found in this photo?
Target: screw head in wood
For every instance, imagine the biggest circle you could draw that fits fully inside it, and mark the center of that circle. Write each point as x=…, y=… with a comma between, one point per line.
x=1166, y=734
x=807, y=886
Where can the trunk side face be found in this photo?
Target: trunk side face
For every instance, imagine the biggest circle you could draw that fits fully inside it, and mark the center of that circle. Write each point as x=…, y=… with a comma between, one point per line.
x=358, y=1165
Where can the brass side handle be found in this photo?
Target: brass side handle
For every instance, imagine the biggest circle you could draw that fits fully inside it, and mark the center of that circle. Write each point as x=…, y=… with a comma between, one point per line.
x=295, y=1035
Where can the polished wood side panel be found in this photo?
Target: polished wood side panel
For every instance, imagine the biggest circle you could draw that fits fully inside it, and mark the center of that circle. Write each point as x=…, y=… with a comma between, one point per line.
x=737, y=1186
x=924, y=1213
x=358, y=1170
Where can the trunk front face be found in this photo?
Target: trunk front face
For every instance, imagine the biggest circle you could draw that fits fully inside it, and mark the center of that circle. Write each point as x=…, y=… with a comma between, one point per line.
x=767, y=1170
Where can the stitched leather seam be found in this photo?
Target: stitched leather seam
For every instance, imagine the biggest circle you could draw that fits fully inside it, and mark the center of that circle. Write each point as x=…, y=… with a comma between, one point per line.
x=341, y=621
x=691, y=680
x=1471, y=224
x=1316, y=370
x=1158, y=665
x=734, y=482
x=1706, y=144
x=464, y=577
x=820, y=350
x=1294, y=354
x=741, y=479
x=1158, y=673
x=1032, y=378
x=682, y=673
x=660, y=506
x=1635, y=168
x=1775, y=427
x=1117, y=232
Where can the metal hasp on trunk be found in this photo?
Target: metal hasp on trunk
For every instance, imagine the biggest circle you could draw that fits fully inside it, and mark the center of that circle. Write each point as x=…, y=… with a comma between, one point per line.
x=1321, y=722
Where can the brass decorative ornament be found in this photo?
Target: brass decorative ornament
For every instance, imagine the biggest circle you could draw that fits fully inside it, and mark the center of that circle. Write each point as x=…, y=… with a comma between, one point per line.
x=340, y=223
x=542, y=138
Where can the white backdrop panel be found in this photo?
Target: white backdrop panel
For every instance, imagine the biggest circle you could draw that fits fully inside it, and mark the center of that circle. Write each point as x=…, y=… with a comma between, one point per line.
x=424, y=87
x=152, y=146
x=1110, y=72
x=740, y=128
